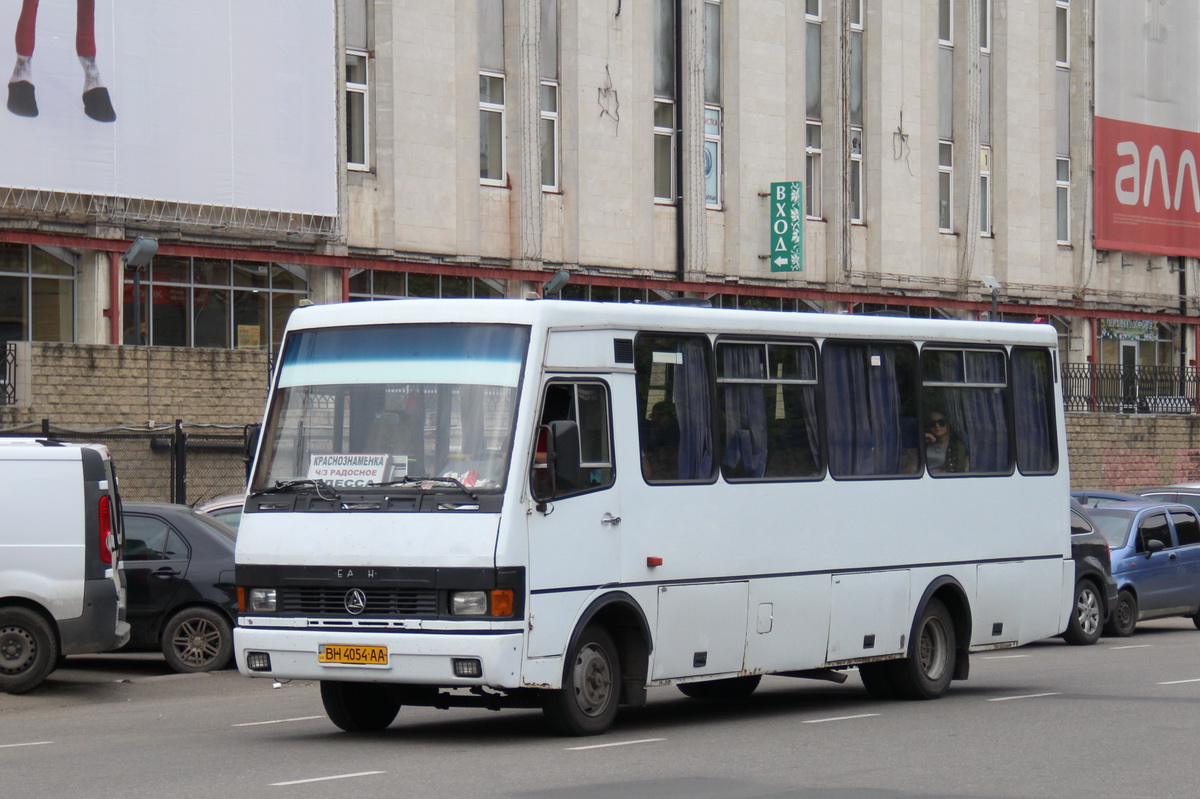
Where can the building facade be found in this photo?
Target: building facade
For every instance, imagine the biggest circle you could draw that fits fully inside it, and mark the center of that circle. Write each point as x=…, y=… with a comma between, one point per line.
x=919, y=157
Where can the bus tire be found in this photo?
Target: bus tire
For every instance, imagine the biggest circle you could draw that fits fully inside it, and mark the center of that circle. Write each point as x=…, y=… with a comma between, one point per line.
x=929, y=667
x=587, y=702
x=1124, y=615
x=359, y=706
x=877, y=679
x=1085, y=626
x=28, y=649
x=727, y=690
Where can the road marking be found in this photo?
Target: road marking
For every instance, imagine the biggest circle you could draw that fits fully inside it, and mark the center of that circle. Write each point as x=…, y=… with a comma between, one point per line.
x=618, y=743
x=839, y=718
x=1023, y=696
x=31, y=743
x=1179, y=682
x=323, y=779
x=1004, y=657
x=1132, y=646
x=276, y=721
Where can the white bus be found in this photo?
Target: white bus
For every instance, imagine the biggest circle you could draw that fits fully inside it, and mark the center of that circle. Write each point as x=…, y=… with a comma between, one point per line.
x=532, y=503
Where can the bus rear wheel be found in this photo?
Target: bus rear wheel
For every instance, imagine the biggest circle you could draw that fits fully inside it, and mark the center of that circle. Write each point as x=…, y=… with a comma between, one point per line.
x=929, y=667
x=359, y=706
x=587, y=702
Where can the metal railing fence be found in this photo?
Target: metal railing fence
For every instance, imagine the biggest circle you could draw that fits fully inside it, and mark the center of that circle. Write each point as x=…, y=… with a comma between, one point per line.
x=1117, y=388
x=185, y=463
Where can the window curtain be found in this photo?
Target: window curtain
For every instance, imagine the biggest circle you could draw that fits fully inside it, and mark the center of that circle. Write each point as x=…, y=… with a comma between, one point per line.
x=693, y=402
x=745, y=411
x=863, y=402
x=979, y=414
x=1031, y=409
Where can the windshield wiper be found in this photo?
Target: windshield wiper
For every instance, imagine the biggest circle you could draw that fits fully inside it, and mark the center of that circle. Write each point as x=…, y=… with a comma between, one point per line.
x=291, y=485
x=409, y=479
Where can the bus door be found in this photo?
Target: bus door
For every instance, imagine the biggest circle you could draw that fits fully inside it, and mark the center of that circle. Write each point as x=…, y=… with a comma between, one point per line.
x=575, y=536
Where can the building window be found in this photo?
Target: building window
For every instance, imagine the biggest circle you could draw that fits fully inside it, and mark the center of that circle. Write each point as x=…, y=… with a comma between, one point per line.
x=812, y=170
x=945, y=186
x=357, y=106
x=549, y=133
x=492, y=167
x=664, y=102
x=381, y=284
x=945, y=23
x=200, y=302
x=491, y=128
x=985, y=191
x=1062, y=188
x=358, y=83
x=712, y=104
x=856, y=175
x=549, y=125
x=37, y=294
x=1062, y=39
x=813, y=112
x=855, y=165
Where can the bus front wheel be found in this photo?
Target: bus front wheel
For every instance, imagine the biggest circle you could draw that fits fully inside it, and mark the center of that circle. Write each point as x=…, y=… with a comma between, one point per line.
x=587, y=702
x=929, y=667
x=359, y=706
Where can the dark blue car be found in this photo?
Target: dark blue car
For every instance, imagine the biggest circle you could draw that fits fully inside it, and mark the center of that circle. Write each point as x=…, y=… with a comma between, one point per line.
x=1155, y=560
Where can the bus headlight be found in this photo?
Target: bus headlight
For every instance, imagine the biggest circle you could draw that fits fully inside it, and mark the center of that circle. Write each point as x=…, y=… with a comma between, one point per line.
x=468, y=603
x=498, y=603
x=261, y=600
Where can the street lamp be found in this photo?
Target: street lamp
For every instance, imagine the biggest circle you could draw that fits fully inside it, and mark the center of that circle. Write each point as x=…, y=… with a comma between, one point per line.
x=994, y=285
x=136, y=258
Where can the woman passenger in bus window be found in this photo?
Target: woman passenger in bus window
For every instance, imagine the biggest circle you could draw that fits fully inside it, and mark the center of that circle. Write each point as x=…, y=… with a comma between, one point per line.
x=944, y=450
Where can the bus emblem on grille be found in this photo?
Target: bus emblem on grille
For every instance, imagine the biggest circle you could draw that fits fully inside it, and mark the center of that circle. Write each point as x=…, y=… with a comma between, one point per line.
x=356, y=601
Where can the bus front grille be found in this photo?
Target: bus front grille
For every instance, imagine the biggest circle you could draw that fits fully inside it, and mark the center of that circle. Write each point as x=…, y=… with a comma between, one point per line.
x=379, y=602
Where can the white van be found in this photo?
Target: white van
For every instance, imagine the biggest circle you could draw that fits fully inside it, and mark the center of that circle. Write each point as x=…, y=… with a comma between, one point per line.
x=62, y=589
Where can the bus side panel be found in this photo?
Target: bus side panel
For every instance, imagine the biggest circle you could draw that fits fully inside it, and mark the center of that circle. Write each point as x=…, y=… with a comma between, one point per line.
x=788, y=623
x=869, y=614
x=1014, y=601
x=701, y=630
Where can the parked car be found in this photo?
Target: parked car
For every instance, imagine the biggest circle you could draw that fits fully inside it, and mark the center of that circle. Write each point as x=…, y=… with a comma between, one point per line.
x=1184, y=493
x=227, y=508
x=181, y=596
x=1155, y=550
x=1093, y=496
x=1095, y=588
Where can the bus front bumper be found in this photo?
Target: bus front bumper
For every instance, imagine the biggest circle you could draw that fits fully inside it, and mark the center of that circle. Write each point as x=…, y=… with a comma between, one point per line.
x=413, y=658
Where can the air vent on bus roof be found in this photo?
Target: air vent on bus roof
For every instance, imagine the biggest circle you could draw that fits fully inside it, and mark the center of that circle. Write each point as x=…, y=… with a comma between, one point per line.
x=623, y=350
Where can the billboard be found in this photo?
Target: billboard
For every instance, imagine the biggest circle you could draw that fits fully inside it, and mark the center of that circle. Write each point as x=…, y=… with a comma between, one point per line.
x=228, y=103
x=1147, y=126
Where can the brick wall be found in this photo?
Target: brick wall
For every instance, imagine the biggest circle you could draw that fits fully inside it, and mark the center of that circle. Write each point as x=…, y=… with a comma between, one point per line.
x=94, y=387
x=1122, y=451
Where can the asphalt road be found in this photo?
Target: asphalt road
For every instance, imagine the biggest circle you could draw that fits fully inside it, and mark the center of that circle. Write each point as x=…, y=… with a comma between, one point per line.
x=1118, y=719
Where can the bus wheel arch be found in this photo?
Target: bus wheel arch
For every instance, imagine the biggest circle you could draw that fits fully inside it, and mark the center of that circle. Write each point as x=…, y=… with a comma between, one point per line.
x=950, y=593
x=605, y=665
x=622, y=616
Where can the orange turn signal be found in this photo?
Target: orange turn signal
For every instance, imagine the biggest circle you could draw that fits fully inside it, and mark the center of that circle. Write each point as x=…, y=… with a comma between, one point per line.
x=502, y=602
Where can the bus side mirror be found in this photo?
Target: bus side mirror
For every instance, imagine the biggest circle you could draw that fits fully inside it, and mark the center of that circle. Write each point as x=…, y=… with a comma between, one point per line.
x=555, y=468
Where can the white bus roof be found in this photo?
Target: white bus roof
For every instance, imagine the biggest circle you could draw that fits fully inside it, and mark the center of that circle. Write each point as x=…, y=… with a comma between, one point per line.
x=578, y=315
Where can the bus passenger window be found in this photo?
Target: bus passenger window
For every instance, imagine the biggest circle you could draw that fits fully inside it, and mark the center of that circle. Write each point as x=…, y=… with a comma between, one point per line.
x=965, y=399
x=675, y=407
x=767, y=410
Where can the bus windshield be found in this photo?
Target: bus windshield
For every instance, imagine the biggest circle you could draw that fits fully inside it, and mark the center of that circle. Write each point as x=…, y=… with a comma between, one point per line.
x=360, y=407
